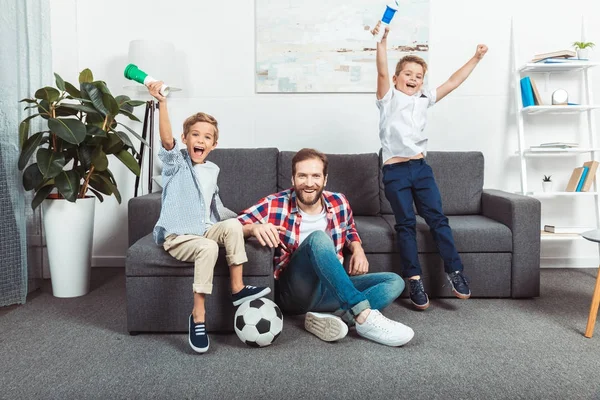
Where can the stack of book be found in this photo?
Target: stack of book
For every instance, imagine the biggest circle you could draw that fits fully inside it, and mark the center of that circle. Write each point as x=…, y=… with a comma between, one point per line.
x=582, y=177
x=556, y=56
x=530, y=96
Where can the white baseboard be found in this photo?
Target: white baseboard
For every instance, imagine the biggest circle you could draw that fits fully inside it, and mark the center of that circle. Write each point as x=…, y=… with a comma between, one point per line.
x=110, y=261
x=569, y=262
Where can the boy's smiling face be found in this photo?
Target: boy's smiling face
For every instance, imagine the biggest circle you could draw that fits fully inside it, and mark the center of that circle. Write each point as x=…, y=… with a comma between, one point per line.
x=410, y=79
x=200, y=141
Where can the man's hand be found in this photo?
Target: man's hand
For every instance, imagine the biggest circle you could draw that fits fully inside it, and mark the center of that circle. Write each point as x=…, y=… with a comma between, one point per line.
x=481, y=50
x=154, y=89
x=375, y=31
x=359, y=265
x=267, y=234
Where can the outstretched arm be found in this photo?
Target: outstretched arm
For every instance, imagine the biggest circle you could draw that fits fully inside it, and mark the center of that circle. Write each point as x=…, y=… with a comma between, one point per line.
x=164, y=123
x=383, y=78
x=463, y=72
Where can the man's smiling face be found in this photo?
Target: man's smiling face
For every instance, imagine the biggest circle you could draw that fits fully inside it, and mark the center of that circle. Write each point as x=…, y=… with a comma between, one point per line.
x=200, y=141
x=410, y=79
x=309, y=181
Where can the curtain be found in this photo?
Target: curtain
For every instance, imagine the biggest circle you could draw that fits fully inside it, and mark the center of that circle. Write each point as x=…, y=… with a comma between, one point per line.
x=25, y=65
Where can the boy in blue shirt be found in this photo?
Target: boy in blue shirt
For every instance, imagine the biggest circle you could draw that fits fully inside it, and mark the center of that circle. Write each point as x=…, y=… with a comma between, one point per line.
x=406, y=175
x=193, y=221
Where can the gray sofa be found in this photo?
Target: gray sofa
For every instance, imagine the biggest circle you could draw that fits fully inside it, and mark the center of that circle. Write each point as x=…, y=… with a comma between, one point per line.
x=496, y=233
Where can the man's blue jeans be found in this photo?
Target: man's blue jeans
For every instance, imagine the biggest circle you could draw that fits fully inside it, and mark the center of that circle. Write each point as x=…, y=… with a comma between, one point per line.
x=413, y=180
x=315, y=280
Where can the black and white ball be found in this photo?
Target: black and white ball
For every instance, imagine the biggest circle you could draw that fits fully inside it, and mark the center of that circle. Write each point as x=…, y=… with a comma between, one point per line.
x=258, y=322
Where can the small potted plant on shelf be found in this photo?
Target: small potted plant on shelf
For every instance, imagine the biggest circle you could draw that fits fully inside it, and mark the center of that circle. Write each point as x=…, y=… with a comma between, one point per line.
x=547, y=183
x=583, y=48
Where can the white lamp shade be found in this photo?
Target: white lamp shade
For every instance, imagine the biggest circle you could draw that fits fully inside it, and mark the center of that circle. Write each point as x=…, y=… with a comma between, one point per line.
x=156, y=58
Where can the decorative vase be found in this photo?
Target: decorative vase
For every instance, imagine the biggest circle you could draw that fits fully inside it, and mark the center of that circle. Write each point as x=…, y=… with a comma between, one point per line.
x=69, y=232
x=547, y=186
x=583, y=53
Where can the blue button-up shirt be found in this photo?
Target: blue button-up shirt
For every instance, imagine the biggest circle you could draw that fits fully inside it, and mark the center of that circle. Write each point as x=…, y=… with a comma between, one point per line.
x=183, y=207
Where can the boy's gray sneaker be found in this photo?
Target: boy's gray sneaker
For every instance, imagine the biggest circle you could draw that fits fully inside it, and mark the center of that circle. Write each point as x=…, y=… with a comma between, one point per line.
x=383, y=330
x=326, y=327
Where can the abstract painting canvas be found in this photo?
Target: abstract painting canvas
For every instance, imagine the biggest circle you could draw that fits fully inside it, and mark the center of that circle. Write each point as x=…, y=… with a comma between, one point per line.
x=325, y=46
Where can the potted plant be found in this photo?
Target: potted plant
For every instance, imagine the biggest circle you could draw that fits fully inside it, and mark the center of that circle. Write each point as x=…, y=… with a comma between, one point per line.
x=71, y=171
x=582, y=49
x=547, y=183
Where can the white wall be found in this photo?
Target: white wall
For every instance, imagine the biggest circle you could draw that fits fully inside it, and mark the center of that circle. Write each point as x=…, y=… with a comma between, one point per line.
x=218, y=68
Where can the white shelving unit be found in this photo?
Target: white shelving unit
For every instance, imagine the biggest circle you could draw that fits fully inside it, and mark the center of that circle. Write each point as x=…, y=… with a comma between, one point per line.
x=588, y=108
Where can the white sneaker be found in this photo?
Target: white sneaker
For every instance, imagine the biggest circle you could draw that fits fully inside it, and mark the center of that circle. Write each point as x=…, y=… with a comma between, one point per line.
x=326, y=327
x=383, y=330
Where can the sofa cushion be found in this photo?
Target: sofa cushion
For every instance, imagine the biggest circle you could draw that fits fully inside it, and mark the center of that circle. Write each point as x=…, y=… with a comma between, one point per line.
x=354, y=175
x=459, y=176
x=246, y=176
x=472, y=234
x=376, y=234
x=146, y=258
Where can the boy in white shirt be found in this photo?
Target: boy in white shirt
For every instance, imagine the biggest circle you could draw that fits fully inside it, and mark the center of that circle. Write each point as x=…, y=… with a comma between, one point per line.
x=193, y=221
x=406, y=175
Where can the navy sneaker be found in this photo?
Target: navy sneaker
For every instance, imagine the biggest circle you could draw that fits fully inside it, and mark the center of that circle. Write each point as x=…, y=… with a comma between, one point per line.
x=198, y=336
x=460, y=285
x=417, y=294
x=249, y=293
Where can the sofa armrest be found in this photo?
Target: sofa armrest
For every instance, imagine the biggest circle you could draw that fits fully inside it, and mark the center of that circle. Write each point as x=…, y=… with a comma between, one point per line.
x=143, y=213
x=522, y=214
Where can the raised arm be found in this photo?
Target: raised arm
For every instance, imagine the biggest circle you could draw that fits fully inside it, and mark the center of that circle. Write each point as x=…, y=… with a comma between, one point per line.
x=164, y=123
x=383, y=78
x=463, y=72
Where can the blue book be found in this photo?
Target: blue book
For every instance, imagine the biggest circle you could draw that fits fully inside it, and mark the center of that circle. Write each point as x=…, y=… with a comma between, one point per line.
x=526, y=92
x=582, y=179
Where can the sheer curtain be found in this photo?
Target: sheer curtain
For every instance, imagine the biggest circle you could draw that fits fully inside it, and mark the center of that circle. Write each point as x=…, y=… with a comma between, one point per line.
x=25, y=65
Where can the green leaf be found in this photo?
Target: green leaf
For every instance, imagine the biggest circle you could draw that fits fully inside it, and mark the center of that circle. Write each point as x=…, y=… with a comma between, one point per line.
x=97, y=194
x=59, y=82
x=32, y=177
x=23, y=132
x=113, y=145
x=135, y=103
x=79, y=107
x=101, y=85
x=99, y=159
x=47, y=93
x=95, y=96
x=129, y=161
x=50, y=163
x=28, y=101
x=111, y=104
x=101, y=183
x=124, y=138
x=122, y=102
x=67, y=183
x=64, y=112
x=44, y=109
x=85, y=156
x=86, y=76
x=70, y=130
x=134, y=133
x=129, y=115
x=93, y=130
x=29, y=148
x=72, y=90
x=41, y=194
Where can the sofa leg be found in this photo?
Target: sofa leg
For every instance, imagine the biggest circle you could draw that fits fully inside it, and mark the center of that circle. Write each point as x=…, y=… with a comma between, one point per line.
x=134, y=333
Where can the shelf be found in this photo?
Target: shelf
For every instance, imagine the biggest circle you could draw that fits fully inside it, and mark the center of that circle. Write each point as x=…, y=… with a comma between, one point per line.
x=557, y=109
x=557, y=151
x=547, y=236
x=556, y=194
x=557, y=67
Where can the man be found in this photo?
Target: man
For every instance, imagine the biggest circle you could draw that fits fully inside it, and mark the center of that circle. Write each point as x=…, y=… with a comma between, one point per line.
x=309, y=228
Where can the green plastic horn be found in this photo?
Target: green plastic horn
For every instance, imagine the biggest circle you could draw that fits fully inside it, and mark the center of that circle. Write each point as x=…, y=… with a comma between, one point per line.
x=133, y=73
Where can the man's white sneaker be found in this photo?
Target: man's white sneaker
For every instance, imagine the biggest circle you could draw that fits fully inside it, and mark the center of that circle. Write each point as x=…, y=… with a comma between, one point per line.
x=326, y=327
x=383, y=330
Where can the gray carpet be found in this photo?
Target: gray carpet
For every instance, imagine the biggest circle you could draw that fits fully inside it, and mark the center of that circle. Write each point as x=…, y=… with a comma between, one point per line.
x=475, y=349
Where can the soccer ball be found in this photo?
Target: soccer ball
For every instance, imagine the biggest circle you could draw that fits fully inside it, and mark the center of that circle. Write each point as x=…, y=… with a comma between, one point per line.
x=258, y=322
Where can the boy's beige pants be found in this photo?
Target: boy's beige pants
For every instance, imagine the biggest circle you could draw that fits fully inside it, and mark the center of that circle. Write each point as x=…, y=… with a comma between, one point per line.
x=204, y=250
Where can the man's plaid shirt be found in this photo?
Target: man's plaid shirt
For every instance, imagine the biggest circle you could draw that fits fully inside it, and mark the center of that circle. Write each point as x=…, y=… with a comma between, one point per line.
x=280, y=209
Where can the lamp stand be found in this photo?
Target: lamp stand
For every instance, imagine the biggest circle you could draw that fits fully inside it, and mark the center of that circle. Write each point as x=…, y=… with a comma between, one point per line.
x=151, y=105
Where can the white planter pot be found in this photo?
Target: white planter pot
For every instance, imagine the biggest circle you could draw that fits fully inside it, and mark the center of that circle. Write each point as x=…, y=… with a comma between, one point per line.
x=547, y=186
x=583, y=53
x=69, y=231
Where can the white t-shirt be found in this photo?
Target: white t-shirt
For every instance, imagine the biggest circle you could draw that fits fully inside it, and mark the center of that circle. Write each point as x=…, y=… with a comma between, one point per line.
x=312, y=223
x=402, y=119
x=206, y=175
